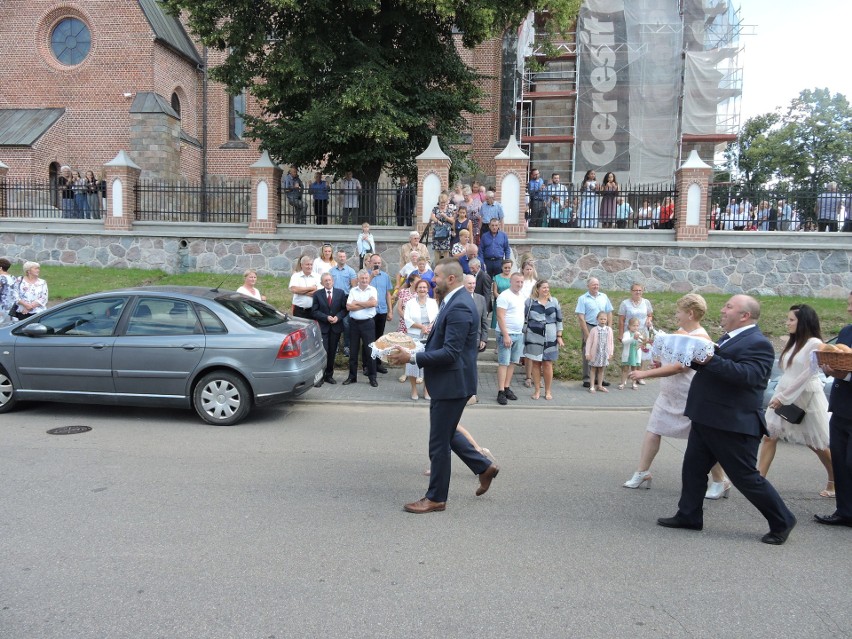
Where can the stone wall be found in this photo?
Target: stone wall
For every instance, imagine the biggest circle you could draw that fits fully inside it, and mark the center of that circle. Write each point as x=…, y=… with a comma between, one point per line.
x=807, y=264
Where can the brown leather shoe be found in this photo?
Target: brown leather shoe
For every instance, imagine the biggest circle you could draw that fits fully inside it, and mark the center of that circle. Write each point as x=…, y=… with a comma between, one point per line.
x=425, y=506
x=485, y=479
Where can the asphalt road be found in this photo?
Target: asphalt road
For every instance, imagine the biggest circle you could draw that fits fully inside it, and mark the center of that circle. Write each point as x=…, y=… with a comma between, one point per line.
x=291, y=525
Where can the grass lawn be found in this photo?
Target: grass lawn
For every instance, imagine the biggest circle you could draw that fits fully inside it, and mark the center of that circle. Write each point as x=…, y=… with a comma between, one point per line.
x=66, y=282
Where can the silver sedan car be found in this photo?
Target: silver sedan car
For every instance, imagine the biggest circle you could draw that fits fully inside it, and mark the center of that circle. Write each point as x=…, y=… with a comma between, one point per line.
x=218, y=352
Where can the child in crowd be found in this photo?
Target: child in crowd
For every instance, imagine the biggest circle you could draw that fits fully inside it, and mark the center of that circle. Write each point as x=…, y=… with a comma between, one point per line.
x=631, y=358
x=599, y=348
x=365, y=245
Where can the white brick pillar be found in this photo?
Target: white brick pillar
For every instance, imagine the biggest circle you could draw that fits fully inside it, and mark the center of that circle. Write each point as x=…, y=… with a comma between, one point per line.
x=122, y=174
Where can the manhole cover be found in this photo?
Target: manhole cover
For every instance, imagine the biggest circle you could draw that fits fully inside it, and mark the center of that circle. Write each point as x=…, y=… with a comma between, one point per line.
x=69, y=430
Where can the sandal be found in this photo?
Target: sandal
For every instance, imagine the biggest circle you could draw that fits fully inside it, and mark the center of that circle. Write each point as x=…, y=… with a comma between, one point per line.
x=635, y=386
x=528, y=382
x=548, y=396
x=621, y=386
x=603, y=389
x=536, y=396
x=828, y=491
x=591, y=389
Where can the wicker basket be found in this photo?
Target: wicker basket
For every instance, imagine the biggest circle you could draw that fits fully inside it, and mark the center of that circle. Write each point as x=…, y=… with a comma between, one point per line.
x=837, y=361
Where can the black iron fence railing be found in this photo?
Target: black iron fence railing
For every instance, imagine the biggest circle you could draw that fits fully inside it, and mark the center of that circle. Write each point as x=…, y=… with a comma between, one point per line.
x=375, y=203
x=44, y=199
x=163, y=201
x=737, y=208
x=643, y=206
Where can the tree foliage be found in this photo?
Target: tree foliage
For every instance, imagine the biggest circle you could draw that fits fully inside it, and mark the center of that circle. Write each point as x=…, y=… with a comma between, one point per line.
x=356, y=84
x=809, y=144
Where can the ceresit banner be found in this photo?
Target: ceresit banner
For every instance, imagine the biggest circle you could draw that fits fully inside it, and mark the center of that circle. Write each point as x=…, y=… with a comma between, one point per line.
x=602, y=138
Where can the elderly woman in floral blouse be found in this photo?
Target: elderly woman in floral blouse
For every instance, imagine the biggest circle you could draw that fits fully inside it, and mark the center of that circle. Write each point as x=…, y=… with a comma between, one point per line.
x=32, y=292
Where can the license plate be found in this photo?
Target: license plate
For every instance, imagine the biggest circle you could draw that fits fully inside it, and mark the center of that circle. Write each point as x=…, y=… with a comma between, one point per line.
x=318, y=376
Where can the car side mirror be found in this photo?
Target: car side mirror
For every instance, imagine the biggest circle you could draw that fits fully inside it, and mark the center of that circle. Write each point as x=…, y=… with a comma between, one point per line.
x=34, y=330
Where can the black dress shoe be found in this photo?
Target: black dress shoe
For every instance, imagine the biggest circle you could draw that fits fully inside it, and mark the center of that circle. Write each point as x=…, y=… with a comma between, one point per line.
x=677, y=522
x=365, y=372
x=329, y=380
x=349, y=380
x=587, y=384
x=606, y=383
x=778, y=538
x=319, y=383
x=382, y=369
x=833, y=520
x=374, y=383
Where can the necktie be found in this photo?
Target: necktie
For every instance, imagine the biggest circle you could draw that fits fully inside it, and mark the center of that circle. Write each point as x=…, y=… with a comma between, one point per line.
x=329, y=299
x=723, y=339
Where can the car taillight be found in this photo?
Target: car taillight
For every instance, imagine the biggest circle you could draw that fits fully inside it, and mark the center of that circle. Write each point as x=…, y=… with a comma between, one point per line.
x=292, y=344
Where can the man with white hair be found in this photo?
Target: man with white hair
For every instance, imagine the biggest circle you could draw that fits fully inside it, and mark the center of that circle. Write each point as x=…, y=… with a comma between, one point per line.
x=490, y=210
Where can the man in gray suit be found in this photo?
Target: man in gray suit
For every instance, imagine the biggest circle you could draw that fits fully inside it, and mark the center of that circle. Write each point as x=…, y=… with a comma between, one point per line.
x=481, y=307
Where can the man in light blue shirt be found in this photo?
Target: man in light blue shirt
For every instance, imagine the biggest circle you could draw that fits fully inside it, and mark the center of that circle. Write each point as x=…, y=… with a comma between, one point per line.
x=490, y=210
x=345, y=278
x=557, y=200
x=589, y=304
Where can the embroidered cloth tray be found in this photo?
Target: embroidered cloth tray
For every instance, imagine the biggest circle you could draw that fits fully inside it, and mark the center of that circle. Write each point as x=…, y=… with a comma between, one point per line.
x=674, y=347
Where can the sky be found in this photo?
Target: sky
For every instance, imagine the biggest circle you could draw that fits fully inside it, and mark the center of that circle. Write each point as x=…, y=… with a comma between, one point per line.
x=798, y=44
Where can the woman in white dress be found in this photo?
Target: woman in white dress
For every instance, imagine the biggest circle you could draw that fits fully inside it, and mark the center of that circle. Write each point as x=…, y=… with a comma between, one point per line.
x=799, y=385
x=325, y=262
x=639, y=308
x=420, y=312
x=588, y=214
x=667, y=418
x=248, y=287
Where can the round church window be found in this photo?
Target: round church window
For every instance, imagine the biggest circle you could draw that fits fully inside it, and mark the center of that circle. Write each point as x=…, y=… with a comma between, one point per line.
x=70, y=41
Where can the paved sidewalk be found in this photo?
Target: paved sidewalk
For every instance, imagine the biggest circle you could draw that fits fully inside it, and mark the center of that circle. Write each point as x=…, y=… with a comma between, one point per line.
x=565, y=394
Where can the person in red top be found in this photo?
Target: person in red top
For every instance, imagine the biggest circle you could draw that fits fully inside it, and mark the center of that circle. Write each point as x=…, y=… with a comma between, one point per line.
x=667, y=214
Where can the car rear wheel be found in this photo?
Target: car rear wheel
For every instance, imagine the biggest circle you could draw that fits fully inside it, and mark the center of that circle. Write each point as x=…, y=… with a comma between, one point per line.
x=221, y=398
x=7, y=393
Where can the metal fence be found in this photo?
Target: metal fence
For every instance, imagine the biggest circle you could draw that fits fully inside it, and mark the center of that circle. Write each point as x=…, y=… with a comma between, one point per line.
x=163, y=201
x=643, y=206
x=735, y=208
x=32, y=198
x=375, y=204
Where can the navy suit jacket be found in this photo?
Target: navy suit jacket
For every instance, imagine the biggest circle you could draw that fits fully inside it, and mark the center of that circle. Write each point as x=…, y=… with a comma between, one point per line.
x=320, y=309
x=840, y=403
x=449, y=360
x=727, y=392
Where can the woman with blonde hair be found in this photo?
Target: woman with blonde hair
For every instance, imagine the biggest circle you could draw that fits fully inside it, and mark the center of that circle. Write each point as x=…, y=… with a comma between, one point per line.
x=248, y=287
x=667, y=418
x=32, y=292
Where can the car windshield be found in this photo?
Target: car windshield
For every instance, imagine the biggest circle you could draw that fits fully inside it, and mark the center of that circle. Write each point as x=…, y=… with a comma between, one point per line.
x=256, y=313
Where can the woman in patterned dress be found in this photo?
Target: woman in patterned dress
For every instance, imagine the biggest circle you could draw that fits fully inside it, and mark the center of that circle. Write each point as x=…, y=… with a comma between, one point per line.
x=543, y=336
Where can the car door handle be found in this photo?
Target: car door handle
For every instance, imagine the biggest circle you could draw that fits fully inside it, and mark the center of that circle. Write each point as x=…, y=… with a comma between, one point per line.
x=189, y=347
x=99, y=347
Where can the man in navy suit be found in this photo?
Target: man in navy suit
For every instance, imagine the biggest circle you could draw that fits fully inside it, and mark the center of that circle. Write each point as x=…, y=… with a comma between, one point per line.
x=724, y=404
x=329, y=309
x=449, y=372
x=840, y=436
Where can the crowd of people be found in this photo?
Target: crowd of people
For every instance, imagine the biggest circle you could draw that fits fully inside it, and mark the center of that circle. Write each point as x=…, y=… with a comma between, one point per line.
x=81, y=196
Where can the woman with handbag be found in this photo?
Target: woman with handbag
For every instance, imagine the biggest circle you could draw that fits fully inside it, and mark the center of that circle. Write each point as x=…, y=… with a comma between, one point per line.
x=799, y=386
x=442, y=220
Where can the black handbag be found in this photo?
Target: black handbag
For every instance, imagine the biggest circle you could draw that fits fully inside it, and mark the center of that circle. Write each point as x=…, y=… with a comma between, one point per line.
x=790, y=413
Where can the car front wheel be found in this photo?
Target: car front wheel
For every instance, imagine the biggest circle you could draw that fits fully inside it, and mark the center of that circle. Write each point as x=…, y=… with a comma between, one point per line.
x=7, y=393
x=221, y=398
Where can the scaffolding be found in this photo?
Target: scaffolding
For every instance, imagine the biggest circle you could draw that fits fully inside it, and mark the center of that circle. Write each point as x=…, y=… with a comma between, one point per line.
x=643, y=83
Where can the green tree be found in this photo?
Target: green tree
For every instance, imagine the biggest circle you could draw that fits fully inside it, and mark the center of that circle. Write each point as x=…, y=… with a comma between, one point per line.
x=356, y=84
x=753, y=152
x=815, y=138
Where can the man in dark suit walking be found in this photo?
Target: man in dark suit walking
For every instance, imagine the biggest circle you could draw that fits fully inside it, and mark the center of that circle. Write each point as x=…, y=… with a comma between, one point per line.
x=449, y=371
x=724, y=404
x=483, y=282
x=840, y=436
x=329, y=309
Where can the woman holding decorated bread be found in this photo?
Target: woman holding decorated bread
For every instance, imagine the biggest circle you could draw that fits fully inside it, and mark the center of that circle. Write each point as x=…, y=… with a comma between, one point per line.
x=799, y=386
x=667, y=418
x=420, y=312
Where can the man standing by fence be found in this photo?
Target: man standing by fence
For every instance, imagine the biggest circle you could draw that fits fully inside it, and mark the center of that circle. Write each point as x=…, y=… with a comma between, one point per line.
x=535, y=191
x=827, y=208
x=292, y=186
x=403, y=207
x=351, y=196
